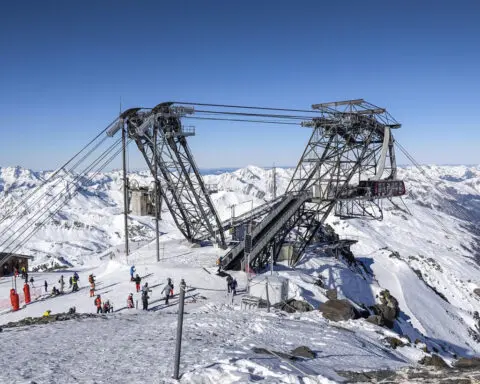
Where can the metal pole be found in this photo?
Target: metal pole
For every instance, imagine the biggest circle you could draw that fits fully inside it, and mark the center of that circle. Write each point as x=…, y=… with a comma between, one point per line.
x=268, y=299
x=179, y=329
x=125, y=189
x=156, y=191
x=274, y=182
x=273, y=255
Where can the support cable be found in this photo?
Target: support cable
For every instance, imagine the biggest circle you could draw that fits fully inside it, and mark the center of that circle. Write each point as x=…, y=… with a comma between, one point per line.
x=31, y=234
x=32, y=220
x=465, y=213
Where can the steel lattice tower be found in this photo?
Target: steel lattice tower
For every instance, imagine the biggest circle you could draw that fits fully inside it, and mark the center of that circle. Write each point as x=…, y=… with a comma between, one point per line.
x=180, y=183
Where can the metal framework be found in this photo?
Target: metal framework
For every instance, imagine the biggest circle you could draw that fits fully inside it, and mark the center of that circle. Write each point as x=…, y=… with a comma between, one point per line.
x=349, y=154
x=179, y=181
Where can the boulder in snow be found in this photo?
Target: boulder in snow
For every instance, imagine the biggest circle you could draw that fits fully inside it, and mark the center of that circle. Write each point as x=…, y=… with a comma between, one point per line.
x=338, y=310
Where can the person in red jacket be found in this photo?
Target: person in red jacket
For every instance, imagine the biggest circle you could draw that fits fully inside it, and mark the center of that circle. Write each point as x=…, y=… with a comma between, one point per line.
x=130, y=301
x=98, y=304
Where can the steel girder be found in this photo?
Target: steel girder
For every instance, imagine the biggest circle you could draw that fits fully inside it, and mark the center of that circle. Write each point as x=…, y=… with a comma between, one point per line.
x=342, y=147
x=180, y=182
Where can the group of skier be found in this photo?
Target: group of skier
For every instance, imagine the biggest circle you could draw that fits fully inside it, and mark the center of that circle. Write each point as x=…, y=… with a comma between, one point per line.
x=167, y=290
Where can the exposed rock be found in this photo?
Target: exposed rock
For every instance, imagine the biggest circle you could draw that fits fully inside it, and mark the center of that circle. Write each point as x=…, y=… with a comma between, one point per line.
x=394, y=342
x=434, y=361
x=388, y=309
x=468, y=363
x=338, y=310
x=273, y=353
x=375, y=319
x=303, y=351
x=477, y=291
x=293, y=305
x=331, y=294
x=50, y=319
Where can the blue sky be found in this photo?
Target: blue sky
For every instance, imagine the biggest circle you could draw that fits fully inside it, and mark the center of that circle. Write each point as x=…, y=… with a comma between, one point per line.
x=65, y=66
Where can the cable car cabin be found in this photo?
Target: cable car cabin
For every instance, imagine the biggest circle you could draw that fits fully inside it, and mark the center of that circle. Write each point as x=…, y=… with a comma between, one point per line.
x=381, y=188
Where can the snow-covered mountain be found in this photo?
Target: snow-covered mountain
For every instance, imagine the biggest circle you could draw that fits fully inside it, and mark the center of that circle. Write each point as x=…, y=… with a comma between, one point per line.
x=426, y=251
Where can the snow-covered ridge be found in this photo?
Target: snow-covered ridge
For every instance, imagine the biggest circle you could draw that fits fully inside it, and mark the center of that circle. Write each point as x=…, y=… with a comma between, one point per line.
x=425, y=251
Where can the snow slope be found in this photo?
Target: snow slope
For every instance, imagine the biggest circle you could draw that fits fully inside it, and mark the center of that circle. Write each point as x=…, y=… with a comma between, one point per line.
x=425, y=252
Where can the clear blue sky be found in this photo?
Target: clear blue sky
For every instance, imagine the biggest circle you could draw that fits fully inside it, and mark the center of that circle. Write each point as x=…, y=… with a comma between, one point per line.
x=66, y=64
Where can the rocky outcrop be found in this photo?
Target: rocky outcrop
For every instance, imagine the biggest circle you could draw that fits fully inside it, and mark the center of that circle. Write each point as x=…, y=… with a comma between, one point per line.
x=338, y=310
x=293, y=305
x=304, y=352
x=331, y=294
x=388, y=308
x=50, y=319
x=468, y=363
x=434, y=361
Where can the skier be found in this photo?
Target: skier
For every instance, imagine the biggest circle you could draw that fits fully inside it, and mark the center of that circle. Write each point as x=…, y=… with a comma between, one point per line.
x=26, y=277
x=130, y=301
x=55, y=291
x=74, y=284
x=98, y=303
x=145, y=296
x=107, y=307
x=132, y=271
x=229, y=283
x=234, y=286
x=92, y=289
x=62, y=283
x=23, y=272
x=31, y=282
x=137, y=280
x=166, y=290
x=70, y=282
x=169, y=281
x=91, y=278
x=219, y=263
x=75, y=275
x=46, y=286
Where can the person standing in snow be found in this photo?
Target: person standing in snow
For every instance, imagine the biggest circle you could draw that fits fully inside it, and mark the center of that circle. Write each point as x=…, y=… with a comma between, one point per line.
x=74, y=284
x=31, y=282
x=46, y=286
x=233, y=286
x=132, y=271
x=229, y=283
x=92, y=289
x=70, y=282
x=130, y=301
x=170, y=282
x=98, y=303
x=107, y=307
x=166, y=290
x=145, y=296
x=62, y=283
x=137, y=280
x=26, y=277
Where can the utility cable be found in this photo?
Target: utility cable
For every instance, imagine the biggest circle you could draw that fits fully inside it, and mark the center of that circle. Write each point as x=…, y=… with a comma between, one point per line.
x=8, y=213
x=29, y=236
x=32, y=220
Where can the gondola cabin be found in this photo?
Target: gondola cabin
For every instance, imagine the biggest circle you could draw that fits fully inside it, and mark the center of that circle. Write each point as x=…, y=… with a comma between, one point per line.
x=382, y=188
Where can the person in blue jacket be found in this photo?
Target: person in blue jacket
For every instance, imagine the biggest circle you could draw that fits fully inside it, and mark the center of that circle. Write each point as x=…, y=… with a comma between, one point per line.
x=132, y=271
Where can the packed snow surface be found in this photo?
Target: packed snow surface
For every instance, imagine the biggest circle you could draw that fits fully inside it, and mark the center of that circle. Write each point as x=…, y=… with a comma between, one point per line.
x=425, y=252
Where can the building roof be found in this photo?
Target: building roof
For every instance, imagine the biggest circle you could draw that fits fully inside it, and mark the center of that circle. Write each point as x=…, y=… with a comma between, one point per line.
x=4, y=256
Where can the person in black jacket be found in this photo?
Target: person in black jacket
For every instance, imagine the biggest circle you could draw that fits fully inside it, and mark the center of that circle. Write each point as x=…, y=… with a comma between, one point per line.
x=137, y=280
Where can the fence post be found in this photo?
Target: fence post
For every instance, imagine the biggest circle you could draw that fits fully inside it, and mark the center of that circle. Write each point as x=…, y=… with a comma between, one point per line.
x=178, y=346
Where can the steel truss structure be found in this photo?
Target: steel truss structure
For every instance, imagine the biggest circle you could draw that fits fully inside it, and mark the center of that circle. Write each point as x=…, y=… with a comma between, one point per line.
x=161, y=138
x=349, y=158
